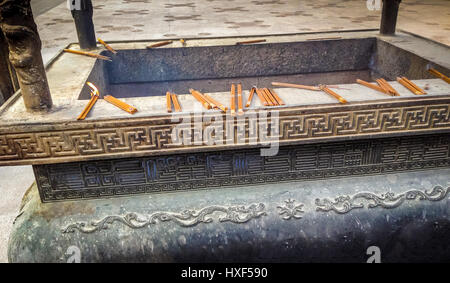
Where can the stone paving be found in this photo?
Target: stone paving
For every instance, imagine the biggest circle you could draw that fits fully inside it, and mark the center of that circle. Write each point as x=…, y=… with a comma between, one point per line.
x=164, y=19
x=150, y=19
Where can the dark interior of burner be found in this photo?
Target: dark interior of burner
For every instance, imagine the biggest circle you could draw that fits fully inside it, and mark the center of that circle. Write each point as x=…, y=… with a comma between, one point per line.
x=152, y=72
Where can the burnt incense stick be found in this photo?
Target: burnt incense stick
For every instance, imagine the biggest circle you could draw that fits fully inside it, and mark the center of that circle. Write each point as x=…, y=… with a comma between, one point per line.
x=107, y=46
x=199, y=96
x=261, y=97
x=272, y=101
x=277, y=98
x=413, y=85
x=383, y=86
x=159, y=44
x=439, y=75
x=408, y=86
x=372, y=86
x=387, y=87
x=88, y=107
x=89, y=54
x=209, y=101
x=250, y=41
x=214, y=102
x=120, y=104
x=266, y=97
x=94, y=97
x=390, y=88
x=250, y=97
x=332, y=93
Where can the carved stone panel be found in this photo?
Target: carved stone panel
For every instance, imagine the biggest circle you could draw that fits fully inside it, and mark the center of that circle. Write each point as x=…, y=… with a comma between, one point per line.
x=196, y=171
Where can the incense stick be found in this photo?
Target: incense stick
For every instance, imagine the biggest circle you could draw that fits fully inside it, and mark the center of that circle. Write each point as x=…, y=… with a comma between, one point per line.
x=390, y=88
x=216, y=103
x=413, y=85
x=272, y=101
x=372, y=86
x=176, y=104
x=240, y=109
x=332, y=93
x=250, y=41
x=107, y=46
x=261, y=97
x=233, y=99
x=275, y=95
x=118, y=103
x=200, y=98
x=439, y=75
x=94, y=97
x=159, y=44
x=250, y=97
x=296, y=86
x=78, y=52
x=169, y=102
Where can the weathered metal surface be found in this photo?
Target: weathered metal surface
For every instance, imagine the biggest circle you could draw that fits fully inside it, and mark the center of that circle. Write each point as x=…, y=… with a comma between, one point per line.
x=144, y=90
x=7, y=83
x=405, y=215
x=391, y=62
x=198, y=171
x=188, y=63
x=153, y=136
x=19, y=28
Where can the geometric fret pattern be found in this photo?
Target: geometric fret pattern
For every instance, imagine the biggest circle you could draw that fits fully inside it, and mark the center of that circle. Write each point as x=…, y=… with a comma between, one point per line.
x=144, y=137
x=195, y=171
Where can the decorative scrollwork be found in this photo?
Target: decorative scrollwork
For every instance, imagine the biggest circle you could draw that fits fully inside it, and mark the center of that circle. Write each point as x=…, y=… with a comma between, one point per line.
x=290, y=210
x=200, y=170
x=344, y=204
x=187, y=218
x=144, y=136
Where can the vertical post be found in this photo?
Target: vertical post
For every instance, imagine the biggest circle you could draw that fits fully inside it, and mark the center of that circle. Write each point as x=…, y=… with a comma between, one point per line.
x=82, y=12
x=389, y=16
x=20, y=31
x=6, y=83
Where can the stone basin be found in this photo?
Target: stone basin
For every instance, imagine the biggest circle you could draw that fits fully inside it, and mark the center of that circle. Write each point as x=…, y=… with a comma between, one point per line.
x=140, y=77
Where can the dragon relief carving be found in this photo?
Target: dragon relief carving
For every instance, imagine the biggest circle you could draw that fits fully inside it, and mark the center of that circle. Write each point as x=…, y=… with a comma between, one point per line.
x=344, y=204
x=243, y=214
x=187, y=218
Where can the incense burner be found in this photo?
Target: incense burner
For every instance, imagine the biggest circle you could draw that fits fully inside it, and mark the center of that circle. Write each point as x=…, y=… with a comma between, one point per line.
x=141, y=77
x=376, y=158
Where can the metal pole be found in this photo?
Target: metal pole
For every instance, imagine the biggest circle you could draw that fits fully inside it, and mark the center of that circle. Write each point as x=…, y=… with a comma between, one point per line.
x=82, y=12
x=21, y=35
x=389, y=16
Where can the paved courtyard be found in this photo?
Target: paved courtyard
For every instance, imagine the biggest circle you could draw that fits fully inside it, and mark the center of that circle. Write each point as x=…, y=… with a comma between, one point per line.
x=164, y=19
